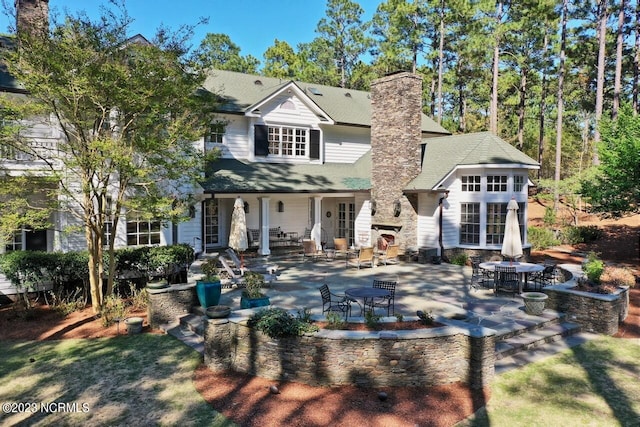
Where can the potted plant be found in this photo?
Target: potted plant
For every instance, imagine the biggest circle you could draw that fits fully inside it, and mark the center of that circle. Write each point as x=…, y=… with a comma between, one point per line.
x=208, y=288
x=252, y=295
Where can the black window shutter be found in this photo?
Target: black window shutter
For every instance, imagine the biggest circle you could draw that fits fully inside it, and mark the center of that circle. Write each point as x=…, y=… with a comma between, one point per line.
x=314, y=145
x=261, y=141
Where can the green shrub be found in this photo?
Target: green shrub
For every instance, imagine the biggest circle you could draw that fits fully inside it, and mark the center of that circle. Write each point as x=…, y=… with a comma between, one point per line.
x=460, y=259
x=278, y=323
x=549, y=216
x=581, y=234
x=138, y=298
x=371, y=320
x=541, y=238
x=334, y=320
x=113, y=309
x=593, y=268
x=65, y=302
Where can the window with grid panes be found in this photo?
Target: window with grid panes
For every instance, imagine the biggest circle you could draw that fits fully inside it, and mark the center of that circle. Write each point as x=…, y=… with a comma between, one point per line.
x=496, y=183
x=470, y=223
x=471, y=183
x=286, y=141
x=15, y=243
x=496, y=218
x=518, y=183
x=211, y=224
x=142, y=232
x=216, y=133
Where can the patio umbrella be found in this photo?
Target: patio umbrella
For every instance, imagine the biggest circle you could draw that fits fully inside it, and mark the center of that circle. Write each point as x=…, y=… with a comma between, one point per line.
x=238, y=236
x=512, y=243
x=316, y=234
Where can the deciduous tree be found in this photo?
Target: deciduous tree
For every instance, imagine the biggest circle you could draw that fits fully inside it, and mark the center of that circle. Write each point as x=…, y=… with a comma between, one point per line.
x=127, y=114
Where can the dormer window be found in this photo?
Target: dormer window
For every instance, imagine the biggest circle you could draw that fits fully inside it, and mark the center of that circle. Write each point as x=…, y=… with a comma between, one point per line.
x=216, y=133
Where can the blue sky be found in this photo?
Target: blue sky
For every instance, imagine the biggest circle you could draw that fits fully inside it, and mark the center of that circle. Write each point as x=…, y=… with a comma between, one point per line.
x=253, y=25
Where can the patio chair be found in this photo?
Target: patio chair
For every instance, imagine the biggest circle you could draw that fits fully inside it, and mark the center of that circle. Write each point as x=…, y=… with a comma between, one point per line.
x=479, y=277
x=385, y=302
x=362, y=258
x=390, y=255
x=341, y=247
x=546, y=277
x=310, y=250
x=506, y=280
x=268, y=269
x=334, y=302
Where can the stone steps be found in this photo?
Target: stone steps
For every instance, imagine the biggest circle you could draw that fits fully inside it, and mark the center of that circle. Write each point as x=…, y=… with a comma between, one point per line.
x=189, y=329
x=518, y=348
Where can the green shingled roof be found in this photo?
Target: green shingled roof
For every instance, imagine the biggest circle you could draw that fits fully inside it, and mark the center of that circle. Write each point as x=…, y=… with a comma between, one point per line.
x=235, y=176
x=443, y=154
x=344, y=106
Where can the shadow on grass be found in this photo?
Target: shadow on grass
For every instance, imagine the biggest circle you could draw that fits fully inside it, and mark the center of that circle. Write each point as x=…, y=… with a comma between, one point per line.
x=129, y=380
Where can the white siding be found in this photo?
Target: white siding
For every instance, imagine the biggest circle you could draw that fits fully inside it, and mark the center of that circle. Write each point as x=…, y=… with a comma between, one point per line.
x=427, y=220
x=345, y=145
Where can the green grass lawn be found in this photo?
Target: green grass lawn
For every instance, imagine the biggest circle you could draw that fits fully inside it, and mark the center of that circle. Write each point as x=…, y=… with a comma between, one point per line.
x=128, y=380
x=147, y=380
x=595, y=384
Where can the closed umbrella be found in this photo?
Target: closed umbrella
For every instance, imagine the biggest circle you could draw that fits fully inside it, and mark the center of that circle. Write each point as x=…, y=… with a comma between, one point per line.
x=316, y=235
x=238, y=236
x=512, y=243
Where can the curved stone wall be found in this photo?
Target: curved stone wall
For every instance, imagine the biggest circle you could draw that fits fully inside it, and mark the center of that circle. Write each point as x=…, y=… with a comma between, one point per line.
x=426, y=357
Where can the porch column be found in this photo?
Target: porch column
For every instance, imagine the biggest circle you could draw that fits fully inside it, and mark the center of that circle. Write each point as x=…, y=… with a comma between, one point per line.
x=263, y=248
x=317, y=221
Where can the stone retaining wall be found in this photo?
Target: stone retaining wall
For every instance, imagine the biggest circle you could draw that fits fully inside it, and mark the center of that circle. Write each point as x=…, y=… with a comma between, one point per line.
x=168, y=304
x=599, y=313
x=370, y=359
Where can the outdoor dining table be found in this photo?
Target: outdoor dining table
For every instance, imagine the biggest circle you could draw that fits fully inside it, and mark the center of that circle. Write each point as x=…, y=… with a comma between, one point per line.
x=522, y=268
x=367, y=294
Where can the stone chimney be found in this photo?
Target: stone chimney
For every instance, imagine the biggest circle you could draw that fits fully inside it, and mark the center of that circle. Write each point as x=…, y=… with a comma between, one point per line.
x=396, y=135
x=32, y=16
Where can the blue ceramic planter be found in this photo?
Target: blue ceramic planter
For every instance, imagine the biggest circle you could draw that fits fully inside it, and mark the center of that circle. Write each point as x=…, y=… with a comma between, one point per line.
x=208, y=293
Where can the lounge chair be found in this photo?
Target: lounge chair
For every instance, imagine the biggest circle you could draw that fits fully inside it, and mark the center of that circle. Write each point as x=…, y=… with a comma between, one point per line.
x=232, y=276
x=362, y=258
x=268, y=269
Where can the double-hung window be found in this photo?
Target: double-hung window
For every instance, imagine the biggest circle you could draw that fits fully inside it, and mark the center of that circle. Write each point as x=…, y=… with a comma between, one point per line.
x=470, y=223
x=288, y=141
x=496, y=218
x=518, y=183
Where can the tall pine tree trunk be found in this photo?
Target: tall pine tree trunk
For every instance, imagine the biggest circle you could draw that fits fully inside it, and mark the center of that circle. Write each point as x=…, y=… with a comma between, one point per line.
x=493, y=107
x=602, y=47
x=618, y=76
x=636, y=61
x=440, y=62
x=543, y=105
x=521, y=107
x=561, y=65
